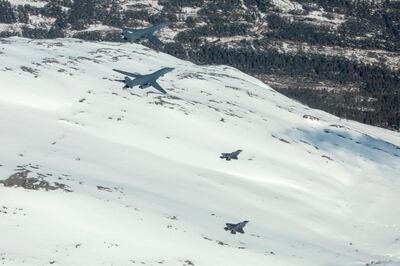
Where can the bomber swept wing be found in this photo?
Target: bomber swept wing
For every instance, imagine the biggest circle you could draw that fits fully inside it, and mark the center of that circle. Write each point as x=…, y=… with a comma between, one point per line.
x=133, y=75
x=153, y=39
x=129, y=29
x=158, y=87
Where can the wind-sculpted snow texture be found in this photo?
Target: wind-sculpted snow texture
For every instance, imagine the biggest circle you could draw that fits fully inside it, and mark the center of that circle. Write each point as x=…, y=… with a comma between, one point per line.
x=91, y=174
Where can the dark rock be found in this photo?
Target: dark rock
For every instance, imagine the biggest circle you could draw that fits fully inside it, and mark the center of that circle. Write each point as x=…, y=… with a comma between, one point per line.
x=21, y=179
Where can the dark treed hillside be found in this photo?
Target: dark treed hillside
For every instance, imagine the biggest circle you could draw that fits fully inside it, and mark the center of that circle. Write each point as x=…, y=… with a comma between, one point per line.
x=341, y=56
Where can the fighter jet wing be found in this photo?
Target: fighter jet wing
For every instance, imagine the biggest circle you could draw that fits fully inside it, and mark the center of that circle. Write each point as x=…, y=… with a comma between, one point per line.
x=240, y=230
x=236, y=153
x=158, y=87
x=154, y=40
x=133, y=75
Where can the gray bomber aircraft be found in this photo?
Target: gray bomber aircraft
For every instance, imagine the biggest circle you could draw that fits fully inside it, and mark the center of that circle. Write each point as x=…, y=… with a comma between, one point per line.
x=132, y=35
x=230, y=156
x=236, y=228
x=144, y=81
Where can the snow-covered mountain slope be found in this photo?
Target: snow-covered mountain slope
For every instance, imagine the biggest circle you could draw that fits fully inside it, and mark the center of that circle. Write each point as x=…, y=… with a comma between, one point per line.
x=96, y=175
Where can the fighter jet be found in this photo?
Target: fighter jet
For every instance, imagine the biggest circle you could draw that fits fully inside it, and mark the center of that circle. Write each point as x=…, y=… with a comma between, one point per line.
x=144, y=81
x=230, y=156
x=235, y=228
x=136, y=34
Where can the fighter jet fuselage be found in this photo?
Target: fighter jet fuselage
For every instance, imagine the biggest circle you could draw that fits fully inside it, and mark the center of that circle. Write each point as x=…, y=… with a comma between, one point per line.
x=230, y=156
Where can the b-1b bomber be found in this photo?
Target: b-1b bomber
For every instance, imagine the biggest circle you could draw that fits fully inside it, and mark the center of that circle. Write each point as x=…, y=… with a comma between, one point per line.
x=144, y=81
x=132, y=35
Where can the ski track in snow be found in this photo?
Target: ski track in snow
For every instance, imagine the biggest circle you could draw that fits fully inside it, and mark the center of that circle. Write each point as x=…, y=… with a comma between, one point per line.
x=138, y=176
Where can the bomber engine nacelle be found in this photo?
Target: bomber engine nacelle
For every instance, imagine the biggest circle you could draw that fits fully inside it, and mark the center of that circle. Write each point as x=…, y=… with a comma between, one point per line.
x=144, y=86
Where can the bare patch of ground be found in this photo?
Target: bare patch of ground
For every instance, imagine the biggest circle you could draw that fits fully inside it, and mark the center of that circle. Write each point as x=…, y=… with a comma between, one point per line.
x=21, y=179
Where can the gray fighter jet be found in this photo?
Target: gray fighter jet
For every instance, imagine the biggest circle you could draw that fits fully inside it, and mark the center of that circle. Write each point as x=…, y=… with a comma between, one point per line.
x=230, y=156
x=235, y=228
x=144, y=81
x=137, y=34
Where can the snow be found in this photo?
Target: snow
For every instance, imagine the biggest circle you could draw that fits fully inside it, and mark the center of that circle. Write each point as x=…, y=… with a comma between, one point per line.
x=151, y=5
x=40, y=21
x=6, y=27
x=287, y=5
x=318, y=18
x=190, y=11
x=147, y=184
x=97, y=27
x=35, y=3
